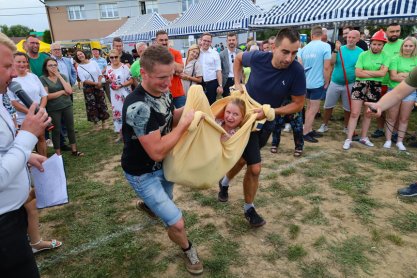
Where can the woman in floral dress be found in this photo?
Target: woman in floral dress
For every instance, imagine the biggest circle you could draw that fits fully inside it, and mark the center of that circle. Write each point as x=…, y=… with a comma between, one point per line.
x=118, y=75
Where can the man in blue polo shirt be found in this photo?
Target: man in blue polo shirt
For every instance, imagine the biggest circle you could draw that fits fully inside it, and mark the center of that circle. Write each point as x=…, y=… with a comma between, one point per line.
x=274, y=77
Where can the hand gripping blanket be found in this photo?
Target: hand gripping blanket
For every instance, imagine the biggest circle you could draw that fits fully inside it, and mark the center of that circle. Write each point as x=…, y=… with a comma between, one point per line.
x=200, y=159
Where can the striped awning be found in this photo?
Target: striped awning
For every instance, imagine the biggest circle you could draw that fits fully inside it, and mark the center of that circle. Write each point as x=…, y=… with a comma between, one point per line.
x=327, y=12
x=214, y=16
x=139, y=28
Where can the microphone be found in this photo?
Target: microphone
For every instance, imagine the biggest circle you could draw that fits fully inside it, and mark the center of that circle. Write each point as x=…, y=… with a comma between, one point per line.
x=27, y=101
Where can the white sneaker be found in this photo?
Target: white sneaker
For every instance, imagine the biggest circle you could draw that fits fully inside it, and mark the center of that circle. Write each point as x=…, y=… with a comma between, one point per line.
x=323, y=128
x=49, y=143
x=366, y=142
x=287, y=128
x=387, y=144
x=345, y=130
x=401, y=146
x=346, y=144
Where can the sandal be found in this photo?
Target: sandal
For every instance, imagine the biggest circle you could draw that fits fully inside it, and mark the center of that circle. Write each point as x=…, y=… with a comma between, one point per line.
x=298, y=153
x=54, y=244
x=77, y=153
x=274, y=149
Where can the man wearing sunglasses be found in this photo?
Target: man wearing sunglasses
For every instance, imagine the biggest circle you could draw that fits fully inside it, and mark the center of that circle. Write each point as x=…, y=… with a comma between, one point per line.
x=227, y=58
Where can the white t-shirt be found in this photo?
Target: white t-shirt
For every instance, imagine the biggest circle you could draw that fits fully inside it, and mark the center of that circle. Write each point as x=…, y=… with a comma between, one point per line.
x=210, y=62
x=33, y=88
x=90, y=71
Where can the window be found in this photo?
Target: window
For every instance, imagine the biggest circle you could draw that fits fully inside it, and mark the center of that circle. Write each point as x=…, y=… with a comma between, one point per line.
x=109, y=11
x=142, y=7
x=76, y=12
x=151, y=7
x=148, y=7
x=187, y=3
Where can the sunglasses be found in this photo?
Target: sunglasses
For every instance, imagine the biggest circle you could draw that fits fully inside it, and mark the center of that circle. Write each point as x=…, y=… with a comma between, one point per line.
x=233, y=58
x=113, y=57
x=52, y=66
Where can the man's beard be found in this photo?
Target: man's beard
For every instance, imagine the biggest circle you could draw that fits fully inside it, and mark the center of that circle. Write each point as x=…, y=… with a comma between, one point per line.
x=393, y=39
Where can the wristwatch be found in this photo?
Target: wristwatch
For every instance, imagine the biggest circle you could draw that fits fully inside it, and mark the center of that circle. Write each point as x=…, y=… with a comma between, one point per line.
x=220, y=85
x=334, y=51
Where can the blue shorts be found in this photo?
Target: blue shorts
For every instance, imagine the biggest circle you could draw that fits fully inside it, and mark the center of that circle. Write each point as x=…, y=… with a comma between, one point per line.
x=156, y=192
x=410, y=97
x=316, y=94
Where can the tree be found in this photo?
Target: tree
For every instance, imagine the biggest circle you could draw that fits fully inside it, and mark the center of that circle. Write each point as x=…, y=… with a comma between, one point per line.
x=47, y=36
x=16, y=30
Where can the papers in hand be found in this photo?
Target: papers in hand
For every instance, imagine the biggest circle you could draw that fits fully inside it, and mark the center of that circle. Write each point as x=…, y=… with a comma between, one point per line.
x=50, y=185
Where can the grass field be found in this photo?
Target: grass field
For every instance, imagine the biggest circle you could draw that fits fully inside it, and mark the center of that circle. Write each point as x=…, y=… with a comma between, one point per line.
x=330, y=213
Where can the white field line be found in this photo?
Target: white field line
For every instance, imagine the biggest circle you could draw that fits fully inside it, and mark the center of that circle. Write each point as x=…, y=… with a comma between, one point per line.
x=300, y=160
x=90, y=245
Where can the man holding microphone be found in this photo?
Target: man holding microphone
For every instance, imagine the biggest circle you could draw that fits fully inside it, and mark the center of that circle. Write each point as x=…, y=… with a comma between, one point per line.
x=16, y=257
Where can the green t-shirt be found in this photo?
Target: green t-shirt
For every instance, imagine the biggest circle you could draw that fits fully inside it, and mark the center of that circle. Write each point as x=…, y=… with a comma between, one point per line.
x=36, y=64
x=135, y=70
x=392, y=50
x=372, y=62
x=411, y=80
x=60, y=102
x=401, y=64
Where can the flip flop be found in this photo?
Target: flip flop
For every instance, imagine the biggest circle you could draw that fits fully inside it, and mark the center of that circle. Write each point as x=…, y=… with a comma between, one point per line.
x=54, y=244
x=274, y=149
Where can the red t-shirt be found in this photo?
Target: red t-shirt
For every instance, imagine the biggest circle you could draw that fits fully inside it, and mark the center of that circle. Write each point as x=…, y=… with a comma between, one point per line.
x=176, y=85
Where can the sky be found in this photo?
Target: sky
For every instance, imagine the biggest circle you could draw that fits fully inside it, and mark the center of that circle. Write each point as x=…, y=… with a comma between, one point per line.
x=31, y=13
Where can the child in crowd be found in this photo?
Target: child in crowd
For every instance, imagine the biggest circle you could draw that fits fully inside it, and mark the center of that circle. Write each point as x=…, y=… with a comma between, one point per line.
x=232, y=118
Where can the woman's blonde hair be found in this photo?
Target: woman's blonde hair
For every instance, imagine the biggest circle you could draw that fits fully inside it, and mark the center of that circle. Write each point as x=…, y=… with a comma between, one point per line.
x=114, y=51
x=192, y=47
x=414, y=41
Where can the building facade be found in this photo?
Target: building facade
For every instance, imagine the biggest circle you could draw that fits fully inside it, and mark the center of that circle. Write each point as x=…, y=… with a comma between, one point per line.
x=96, y=19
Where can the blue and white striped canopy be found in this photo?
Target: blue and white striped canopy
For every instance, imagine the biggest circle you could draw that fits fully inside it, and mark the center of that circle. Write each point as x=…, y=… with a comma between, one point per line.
x=214, y=16
x=307, y=12
x=139, y=28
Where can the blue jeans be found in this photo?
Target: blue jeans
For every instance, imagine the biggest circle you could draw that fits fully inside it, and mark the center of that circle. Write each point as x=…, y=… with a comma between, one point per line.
x=156, y=192
x=179, y=101
x=296, y=122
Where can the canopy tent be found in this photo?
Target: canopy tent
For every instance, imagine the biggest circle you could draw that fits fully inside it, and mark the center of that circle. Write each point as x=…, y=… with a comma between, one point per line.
x=139, y=28
x=303, y=13
x=214, y=16
x=43, y=47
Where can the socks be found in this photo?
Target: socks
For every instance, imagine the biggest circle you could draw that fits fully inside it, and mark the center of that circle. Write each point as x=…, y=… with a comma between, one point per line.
x=225, y=181
x=246, y=207
x=189, y=247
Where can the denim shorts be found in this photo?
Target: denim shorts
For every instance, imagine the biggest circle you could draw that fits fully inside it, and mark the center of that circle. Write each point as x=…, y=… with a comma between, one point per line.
x=410, y=97
x=156, y=192
x=316, y=94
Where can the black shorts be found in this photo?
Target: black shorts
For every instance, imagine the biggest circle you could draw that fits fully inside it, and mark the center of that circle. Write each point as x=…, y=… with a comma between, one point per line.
x=257, y=140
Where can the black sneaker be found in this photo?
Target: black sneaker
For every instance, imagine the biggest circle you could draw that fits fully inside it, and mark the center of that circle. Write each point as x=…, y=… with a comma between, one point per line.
x=316, y=134
x=378, y=133
x=223, y=195
x=409, y=191
x=255, y=220
x=310, y=138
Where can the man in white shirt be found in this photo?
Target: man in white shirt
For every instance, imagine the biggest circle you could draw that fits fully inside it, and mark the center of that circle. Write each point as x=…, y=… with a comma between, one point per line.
x=16, y=257
x=212, y=71
x=227, y=58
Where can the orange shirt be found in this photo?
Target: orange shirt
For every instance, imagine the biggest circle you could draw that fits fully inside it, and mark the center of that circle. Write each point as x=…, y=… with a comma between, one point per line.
x=176, y=85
